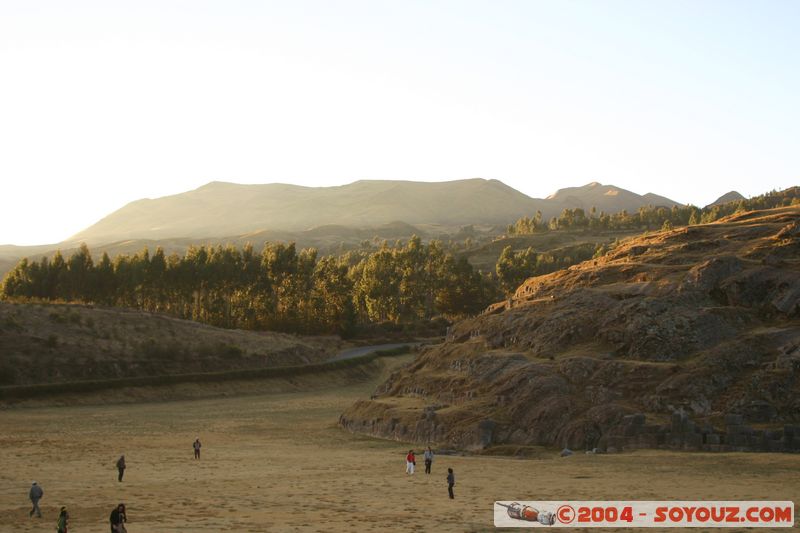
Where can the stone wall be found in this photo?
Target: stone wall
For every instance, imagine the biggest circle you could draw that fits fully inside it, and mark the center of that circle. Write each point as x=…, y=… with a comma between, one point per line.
x=682, y=433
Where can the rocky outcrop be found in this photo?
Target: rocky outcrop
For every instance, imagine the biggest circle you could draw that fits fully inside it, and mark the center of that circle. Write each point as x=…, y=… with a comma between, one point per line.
x=687, y=339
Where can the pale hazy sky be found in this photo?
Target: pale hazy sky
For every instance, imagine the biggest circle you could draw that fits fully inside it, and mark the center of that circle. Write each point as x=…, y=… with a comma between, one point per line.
x=102, y=103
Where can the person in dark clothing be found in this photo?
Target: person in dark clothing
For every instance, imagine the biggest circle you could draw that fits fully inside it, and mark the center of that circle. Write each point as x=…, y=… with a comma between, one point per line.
x=121, y=467
x=197, y=447
x=428, y=460
x=35, y=494
x=118, y=519
x=451, y=480
x=63, y=521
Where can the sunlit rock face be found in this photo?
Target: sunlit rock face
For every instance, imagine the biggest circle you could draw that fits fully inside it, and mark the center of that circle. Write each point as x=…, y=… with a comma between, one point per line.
x=684, y=339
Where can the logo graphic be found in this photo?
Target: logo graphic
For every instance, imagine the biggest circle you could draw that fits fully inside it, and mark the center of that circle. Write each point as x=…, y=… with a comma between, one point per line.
x=638, y=514
x=527, y=513
x=566, y=514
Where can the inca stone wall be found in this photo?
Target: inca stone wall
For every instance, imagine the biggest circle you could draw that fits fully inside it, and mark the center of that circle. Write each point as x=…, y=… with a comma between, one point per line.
x=682, y=433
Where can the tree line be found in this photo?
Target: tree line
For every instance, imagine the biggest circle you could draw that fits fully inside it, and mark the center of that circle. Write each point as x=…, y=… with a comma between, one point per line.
x=279, y=288
x=649, y=217
x=513, y=268
x=283, y=289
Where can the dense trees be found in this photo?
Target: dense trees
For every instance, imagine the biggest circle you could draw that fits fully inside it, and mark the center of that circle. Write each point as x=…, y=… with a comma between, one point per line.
x=650, y=217
x=515, y=267
x=284, y=289
x=417, y=281
x=279, y=289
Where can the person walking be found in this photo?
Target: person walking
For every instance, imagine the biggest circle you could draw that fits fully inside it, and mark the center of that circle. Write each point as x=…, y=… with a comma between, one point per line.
x=411, y=462
x=63, y=521
x=35, y=494
x=451, y=480
x=121, y=467
x=196, y=447
x=118, y=519
x=428, y=460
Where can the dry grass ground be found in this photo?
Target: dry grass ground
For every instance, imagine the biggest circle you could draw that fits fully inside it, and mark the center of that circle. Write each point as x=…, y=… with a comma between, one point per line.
x=276, y=461
x=57, y=343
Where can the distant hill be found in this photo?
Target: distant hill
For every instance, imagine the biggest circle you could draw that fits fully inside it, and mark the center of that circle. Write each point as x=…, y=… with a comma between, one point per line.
x=328, y=239
x=10, y=254
x=325, y=218
x=732, y=196
x=224, y=209
x=606, y=198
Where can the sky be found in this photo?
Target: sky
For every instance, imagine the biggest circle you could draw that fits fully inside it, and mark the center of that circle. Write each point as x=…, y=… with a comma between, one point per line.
x=103, y=103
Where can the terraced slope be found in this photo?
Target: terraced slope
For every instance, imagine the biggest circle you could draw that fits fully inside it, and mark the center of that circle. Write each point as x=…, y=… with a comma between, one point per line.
x=684, y=339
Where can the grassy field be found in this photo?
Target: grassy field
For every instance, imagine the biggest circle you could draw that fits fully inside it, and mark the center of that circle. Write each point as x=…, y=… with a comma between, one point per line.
x=65, y=343
x=275, y=460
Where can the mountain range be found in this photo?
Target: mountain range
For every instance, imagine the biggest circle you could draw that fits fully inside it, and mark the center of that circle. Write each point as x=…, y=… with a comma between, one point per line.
x=326, y=217
x=220, y=209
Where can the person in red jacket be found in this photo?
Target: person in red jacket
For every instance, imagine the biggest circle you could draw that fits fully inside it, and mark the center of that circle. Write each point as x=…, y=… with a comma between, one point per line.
x=411, y=462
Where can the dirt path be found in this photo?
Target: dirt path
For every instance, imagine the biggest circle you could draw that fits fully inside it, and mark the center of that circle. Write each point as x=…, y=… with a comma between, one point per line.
x=278, y=462
x=361, y=351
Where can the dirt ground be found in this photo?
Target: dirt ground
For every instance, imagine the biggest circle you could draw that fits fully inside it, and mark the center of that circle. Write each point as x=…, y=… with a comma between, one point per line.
x=277, y=461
